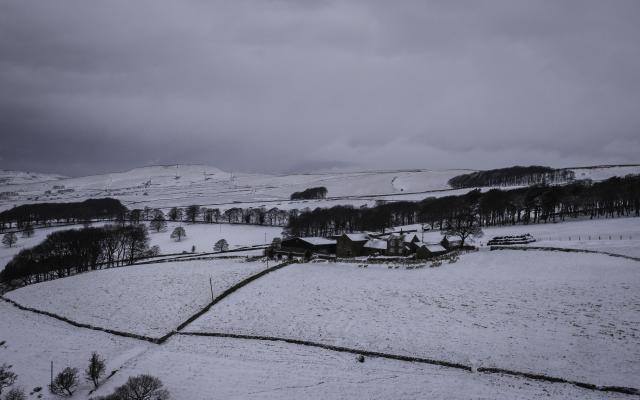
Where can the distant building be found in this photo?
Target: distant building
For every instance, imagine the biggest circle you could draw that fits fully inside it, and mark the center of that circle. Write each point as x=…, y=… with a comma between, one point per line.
x=375, y=247
x=351, y=244
x=312, y=244
x=427, y=250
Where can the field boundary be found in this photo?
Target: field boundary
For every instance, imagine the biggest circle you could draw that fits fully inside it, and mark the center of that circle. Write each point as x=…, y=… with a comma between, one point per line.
x=562, y=249
x=155, y=340
x=225, y=294
x=421, y=360
x=80, y=324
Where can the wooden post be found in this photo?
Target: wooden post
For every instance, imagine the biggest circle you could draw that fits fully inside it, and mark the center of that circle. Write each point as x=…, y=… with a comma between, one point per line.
x=211, y=286
x=51, y=372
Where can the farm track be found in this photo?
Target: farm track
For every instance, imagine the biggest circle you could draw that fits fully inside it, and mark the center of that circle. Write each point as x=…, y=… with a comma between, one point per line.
x=366, y=353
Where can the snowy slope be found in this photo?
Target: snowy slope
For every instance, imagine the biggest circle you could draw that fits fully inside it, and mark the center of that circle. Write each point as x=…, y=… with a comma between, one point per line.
x=569, y=315
x=205, y=368
x=149, y=300
x=33, y=341
x=182, y=185
x=198, y=368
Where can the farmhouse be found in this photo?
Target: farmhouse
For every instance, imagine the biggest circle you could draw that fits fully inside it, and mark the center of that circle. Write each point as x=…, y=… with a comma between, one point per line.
x=312, y=244
x=351, y=244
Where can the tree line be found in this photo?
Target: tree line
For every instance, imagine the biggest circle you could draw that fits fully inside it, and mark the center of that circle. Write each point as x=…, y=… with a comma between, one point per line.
x=75, y=212
x=512, y=176
x=67, y=252
x=614, y=197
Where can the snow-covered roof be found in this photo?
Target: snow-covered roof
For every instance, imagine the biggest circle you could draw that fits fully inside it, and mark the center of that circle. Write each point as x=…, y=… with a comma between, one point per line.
x=432, y=247
x=318, y=241
x=357, y=237
x=376, y=244
x=409, y=238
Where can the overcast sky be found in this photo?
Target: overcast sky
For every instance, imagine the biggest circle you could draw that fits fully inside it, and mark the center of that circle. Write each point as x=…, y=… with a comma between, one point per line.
x=277, y=86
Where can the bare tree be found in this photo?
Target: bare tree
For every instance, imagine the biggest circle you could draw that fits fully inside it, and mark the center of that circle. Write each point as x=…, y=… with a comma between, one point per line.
x=7, y=377
x=9, y=239
x=95, y=370
x=192, y=213
x=221, y=245
x=178, y=233
x=142, y=387
x=175, y=214
x=65, y=383
x=158, y=223
x=465, y=227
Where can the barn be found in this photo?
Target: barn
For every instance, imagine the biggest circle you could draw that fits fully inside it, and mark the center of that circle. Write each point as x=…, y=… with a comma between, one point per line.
x=301, y=245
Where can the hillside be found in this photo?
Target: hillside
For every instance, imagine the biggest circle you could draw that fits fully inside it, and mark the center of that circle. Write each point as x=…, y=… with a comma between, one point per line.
x=181, y=185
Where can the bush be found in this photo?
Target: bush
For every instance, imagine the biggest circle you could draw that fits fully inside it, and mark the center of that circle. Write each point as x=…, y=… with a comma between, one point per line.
x=7, y=377
x=65, y=383
x=142, y=387
x=16, y=394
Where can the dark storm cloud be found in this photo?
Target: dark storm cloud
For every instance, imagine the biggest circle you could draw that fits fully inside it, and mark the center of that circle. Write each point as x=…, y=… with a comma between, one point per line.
x=282, y=85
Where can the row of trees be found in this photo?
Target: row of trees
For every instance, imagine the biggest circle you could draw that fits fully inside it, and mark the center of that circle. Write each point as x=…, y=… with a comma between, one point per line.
x=196, y=213
x=614, y=197
x=71, y=251
x=48, y=213
x=512, y=176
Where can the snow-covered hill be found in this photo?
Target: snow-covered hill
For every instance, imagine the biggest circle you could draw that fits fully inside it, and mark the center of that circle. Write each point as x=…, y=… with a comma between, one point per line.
x=181, y=185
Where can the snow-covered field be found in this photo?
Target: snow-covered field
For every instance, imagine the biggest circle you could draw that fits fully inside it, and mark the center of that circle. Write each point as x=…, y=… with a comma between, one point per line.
x=182, y=185
x=149, y=300
x=617, y=235
x=205, y=368
x=613, y=235
x=204, y=236
x=33, y=341
x=198, y=368
x=571, y=315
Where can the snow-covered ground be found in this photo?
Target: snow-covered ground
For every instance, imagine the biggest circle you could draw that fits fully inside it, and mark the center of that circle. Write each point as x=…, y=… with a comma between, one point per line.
x=39, y=234
x=204, y=236
x=617, y=235
x=613, y=235
x=33, y=341
x=571, y=315
x=182, y=185
x=148, y=300
x=199, y=368
x=204, y=368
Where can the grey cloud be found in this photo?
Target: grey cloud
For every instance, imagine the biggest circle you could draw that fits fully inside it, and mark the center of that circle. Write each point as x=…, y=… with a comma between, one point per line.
x=282, y=85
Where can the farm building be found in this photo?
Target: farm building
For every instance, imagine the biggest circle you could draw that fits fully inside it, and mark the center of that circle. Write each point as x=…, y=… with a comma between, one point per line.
x=428, y=250
x=312, y=244
x=375, y=247
x=351, y=244
x=397, y=246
